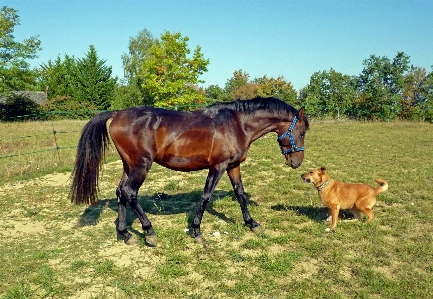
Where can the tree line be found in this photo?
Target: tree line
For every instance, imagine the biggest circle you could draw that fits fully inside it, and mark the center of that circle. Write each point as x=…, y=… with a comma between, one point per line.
x=164, y=72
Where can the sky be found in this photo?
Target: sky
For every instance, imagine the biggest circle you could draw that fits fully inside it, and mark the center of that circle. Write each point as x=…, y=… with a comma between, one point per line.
x=293, y=39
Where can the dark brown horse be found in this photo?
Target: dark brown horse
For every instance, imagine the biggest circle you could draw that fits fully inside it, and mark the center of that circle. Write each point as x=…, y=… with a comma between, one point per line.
x=216, y=138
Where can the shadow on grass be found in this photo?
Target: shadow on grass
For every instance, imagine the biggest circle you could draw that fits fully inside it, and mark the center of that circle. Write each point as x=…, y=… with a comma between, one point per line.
x=160, y=204
x=314, y=213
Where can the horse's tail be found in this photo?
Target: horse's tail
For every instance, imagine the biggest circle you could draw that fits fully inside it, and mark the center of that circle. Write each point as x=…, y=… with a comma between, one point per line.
x=91, y=150
x=383, y=186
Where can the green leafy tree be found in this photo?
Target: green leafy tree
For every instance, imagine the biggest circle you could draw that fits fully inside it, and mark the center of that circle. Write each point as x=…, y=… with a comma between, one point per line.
x=139, y=51
x=241, y=87
x=425, y=102
x=329, y=93
x=237, y=86
x=215, y=93
x=130, y=92
x=15, y=72
x=412, y=94
x=381, y=84
x=169, y=76
x=276, y=87
x=94, y=83
x=59, y=75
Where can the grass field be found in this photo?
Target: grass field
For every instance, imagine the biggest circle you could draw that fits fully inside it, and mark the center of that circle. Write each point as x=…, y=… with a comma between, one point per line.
x=53, y=249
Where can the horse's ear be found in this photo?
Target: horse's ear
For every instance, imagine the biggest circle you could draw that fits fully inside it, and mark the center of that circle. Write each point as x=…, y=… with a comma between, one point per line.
x=301, y=112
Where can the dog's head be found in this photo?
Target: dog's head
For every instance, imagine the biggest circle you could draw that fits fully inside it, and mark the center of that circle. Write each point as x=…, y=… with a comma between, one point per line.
x=317, y=176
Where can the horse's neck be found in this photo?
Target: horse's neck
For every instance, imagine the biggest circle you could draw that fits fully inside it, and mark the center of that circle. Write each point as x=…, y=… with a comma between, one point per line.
x=260, y=124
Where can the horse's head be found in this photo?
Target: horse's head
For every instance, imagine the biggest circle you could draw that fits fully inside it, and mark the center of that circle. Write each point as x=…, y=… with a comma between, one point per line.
x=292, y=140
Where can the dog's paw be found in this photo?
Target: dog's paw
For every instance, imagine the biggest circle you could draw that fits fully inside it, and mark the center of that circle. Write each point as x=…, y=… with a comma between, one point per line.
x=327, y=230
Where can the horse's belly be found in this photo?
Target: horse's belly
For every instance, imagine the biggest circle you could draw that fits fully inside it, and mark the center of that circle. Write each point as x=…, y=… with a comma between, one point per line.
x=184, y=163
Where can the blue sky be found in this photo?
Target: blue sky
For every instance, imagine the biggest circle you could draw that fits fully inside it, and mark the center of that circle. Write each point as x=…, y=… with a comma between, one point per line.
x=293, y=39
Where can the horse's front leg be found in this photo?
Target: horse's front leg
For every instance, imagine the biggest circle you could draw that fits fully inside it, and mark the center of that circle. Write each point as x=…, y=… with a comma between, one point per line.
x=212, y=180
x=235, y=178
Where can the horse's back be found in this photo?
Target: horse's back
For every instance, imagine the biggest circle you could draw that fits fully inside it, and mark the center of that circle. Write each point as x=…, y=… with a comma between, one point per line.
x=175, y=139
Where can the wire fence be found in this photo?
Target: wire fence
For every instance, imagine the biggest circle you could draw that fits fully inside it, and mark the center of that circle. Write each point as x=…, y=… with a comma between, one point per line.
x=51, y=116
x=53, y=133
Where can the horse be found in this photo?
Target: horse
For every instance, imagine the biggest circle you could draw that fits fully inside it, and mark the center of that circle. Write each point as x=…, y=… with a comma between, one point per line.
x=216, y=138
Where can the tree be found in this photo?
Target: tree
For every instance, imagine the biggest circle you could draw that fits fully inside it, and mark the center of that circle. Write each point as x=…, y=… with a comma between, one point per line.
x=412, y=100
x=15, y=73
x=241, y=87
x=139, y=51
x=215, y=93
x=329, y=93
x=59, y=75
x=276, y=87
x=238, y=87
x=94, y=82
x=426, y=99
x=130, y=92
x=169, y=77
x=381, y=84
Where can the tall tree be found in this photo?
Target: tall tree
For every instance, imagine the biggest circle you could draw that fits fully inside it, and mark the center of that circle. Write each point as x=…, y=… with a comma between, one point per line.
x=381, y=84
x=329, y=93
x=130, y=92
x=276, y=87
x=94, y=82
x=139, y=50
x=426, y=100
x=170, y=76
x=59, y=75
x=15, y=72
x=241, y=87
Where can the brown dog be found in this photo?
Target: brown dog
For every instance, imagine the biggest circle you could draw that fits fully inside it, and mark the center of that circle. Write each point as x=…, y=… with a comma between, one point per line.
x=341, y=196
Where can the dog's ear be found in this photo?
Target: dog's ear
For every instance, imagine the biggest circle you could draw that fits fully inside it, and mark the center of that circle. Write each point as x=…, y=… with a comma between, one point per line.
x=323, y=169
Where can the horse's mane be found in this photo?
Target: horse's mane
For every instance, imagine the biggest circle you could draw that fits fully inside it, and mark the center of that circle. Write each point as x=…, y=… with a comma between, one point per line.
x=258, y=103
x=270, y=104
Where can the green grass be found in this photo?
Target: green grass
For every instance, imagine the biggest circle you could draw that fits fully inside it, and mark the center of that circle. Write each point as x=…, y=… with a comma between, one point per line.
x=51, y=248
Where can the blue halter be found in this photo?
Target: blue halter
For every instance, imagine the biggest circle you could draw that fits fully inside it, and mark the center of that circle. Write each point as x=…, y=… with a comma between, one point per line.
x=292, y=140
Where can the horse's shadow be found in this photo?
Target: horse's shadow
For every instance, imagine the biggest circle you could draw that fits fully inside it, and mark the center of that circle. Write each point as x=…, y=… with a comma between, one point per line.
x=160, y=204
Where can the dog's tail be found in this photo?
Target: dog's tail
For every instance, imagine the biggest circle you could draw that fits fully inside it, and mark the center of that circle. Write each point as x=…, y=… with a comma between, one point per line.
x=383, y=186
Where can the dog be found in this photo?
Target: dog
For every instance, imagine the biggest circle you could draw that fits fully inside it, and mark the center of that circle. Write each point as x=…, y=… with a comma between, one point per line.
x=341, y=196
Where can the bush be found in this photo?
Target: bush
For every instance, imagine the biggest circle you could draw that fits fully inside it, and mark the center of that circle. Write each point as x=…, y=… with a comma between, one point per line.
x=62, y=107
x=19, y=107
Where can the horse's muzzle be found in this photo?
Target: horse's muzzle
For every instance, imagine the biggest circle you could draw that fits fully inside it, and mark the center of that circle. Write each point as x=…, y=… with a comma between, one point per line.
x=293, y=165
x=294, y=160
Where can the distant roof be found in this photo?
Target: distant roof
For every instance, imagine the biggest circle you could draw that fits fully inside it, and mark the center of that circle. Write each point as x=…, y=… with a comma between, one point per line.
x=37, y=96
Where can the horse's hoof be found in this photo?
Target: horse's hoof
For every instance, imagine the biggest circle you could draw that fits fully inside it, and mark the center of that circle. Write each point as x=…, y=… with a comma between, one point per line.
x=131, y=240
x=200, y=240
x=257, y=229
x=151, y=240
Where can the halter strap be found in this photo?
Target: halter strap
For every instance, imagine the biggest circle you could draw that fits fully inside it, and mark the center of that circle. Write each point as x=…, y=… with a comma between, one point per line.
x=294, y=148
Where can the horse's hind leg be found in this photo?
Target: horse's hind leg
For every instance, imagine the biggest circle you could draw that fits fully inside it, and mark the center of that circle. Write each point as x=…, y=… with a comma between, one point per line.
x=212, y=180
x=120, y=222
x=130, y=192
x=235, y=178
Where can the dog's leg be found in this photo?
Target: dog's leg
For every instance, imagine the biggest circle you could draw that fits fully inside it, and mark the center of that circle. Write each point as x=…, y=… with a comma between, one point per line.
x=356, y=213
x=335, y=210
x=328, y=215
x=368, y=212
